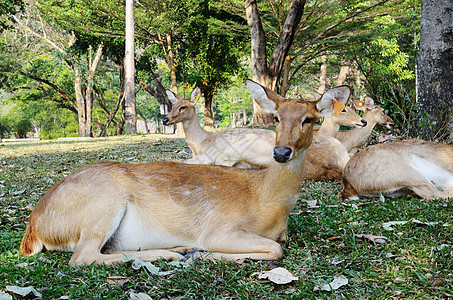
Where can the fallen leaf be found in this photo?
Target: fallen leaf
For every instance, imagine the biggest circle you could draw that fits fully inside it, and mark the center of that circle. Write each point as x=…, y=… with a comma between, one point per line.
x=424, y=223
x=139, y=296
x=312, y=203
x=388, y=225
x=336, y=261
x=138, y=263
x=277, y=275
x=5, y=296
x=374, y=238
x=334, y=238
x=23, y=291
x=117, y=280
x=338, y=281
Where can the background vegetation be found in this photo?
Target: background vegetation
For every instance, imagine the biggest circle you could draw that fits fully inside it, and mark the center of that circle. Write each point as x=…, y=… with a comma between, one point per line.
x=195, y=43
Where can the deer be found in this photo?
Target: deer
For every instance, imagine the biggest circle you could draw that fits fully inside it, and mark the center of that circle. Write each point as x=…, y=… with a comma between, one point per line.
x=395, y=169
x=239, y=147
x=157, y=209
x=373, y=114
x=250, y=148
x=346, y=116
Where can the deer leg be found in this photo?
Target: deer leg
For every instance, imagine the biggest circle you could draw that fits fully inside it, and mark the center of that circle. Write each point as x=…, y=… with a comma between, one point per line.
x=347, y=191
x=241, y=244
x=89, y=251
x=428, y=191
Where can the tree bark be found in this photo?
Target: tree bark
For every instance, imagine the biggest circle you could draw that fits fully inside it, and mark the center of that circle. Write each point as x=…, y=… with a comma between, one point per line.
x=285, y=76
x=435, y=95
x=323, y=74
x=262, y=73
x=129, y=62
x=345, y=66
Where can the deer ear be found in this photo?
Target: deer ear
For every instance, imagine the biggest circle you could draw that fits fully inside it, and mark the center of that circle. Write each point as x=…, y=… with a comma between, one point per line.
x=196, y=94
x=359, y=105
x=317, y=95
x=261, y=96
x=333, y=101
x=171, y=96
x=369, y=102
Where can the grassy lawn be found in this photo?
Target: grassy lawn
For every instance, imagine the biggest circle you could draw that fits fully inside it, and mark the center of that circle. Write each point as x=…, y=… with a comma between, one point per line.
x=326, y=238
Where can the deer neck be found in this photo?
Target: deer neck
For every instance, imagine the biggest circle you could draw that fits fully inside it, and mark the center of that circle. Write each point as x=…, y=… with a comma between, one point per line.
x=282, y=183
x=195, y=134
x=328, y=128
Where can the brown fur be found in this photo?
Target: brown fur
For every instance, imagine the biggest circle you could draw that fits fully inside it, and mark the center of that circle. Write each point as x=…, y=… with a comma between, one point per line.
x=397, y=168
x=373, y=114
x=151, y=210
x=325, y=158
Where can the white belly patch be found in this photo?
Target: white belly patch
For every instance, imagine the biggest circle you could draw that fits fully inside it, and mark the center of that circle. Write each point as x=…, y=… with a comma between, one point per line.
x=441, y=178
x=135, y=232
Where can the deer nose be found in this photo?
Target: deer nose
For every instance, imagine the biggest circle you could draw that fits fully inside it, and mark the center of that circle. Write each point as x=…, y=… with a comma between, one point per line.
x=363, y=122
x=282, y=155
x=165, y=121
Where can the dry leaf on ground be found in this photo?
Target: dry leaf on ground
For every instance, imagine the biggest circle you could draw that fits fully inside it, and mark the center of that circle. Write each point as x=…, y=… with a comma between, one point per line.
x=338, y=281
x=277, y=275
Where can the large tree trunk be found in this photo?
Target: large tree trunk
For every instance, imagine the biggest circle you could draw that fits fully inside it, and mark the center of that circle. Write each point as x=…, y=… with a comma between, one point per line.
x=264, y=74
x=208, y=109
x=435, y=95
x=129, y=62
x=345, y=66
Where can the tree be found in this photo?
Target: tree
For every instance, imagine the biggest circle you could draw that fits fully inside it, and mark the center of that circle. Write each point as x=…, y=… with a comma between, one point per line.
x=9, y=8
x=129, y=63
x=435, y=91
x=302, y=30
x=211, y=52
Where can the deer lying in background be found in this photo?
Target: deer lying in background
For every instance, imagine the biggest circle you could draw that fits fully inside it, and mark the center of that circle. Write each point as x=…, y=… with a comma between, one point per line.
x=152, y=210
x=346, y=116
x=325, y=159
x=398, y=168
x=228, y=148
x=373, y=114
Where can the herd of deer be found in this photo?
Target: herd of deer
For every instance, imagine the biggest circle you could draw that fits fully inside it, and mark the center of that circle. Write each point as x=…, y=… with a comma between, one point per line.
x=232, y=199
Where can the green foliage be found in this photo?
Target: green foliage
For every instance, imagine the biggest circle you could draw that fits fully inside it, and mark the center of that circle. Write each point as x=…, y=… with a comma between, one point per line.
x=232, y=103
x=9, y=8
x=211, y=52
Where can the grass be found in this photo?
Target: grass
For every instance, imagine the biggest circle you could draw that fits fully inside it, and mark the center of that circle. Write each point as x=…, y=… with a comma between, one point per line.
x=414, y=262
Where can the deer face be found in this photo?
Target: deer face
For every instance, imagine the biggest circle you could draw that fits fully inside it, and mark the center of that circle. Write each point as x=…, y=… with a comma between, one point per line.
x=294, y=118
x=183, y=109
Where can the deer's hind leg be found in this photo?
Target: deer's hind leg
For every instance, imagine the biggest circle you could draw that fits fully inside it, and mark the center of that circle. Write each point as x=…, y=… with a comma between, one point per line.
x=88, y=251
x=241, y=244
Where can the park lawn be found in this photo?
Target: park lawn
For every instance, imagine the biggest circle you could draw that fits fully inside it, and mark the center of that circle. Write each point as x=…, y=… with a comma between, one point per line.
x=327, y=238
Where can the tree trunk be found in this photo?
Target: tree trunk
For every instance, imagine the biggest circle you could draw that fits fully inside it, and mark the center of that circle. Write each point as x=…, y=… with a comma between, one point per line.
x=171, y=65
x=323, y=74
x=129, y=62
x=262, y=73
x=208, y=111
x=345, y=66
x=435, y=101
x=285, y=77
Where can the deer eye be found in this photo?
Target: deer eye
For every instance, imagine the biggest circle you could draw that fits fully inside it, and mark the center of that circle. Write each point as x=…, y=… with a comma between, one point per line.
x=182, y=108
x=307, y=121
x=276, y=120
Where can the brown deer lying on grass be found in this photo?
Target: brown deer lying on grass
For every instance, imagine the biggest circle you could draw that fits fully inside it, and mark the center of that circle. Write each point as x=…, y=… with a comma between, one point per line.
x=399, y=168
x=325, y=158
x=373, y=114
x=152, y=210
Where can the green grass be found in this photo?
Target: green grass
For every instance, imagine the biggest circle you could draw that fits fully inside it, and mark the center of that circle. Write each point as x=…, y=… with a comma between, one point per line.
x=321, y=244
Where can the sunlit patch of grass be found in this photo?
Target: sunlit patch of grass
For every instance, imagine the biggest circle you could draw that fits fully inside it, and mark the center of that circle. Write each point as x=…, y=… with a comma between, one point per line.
x=414, y=262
